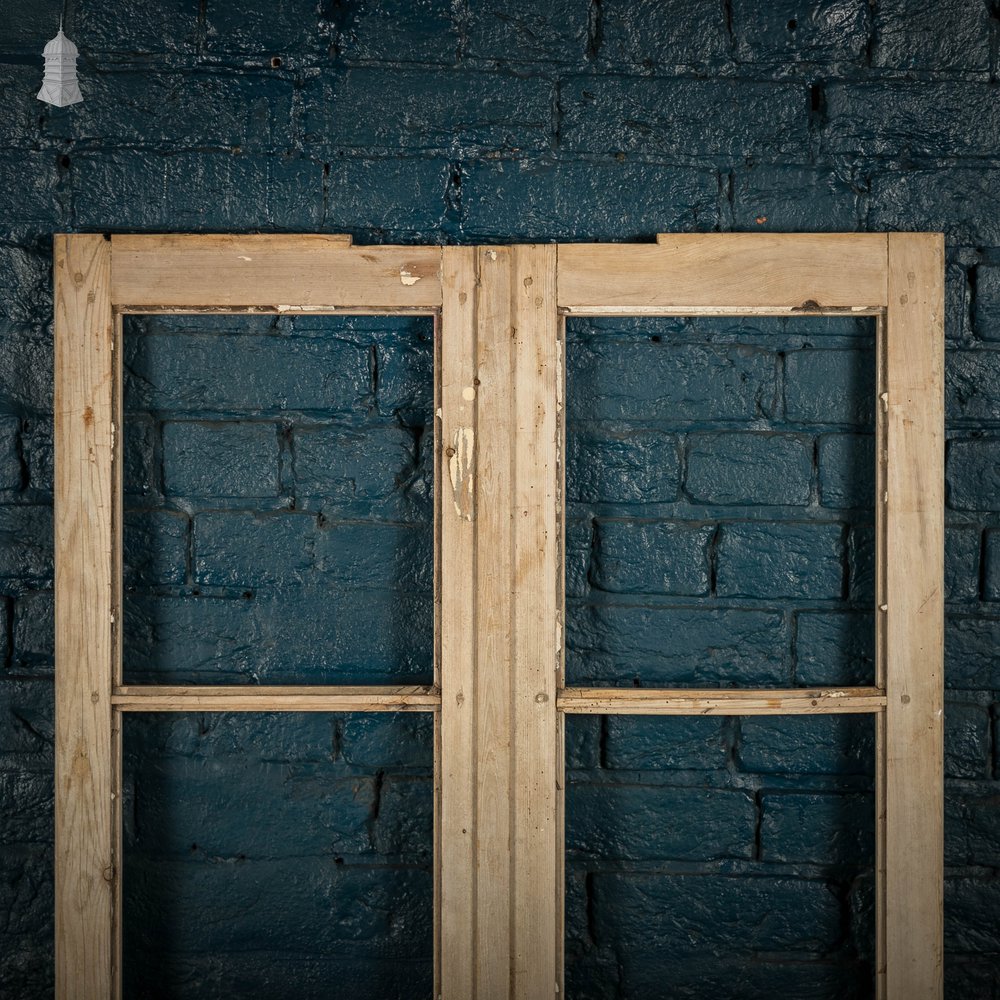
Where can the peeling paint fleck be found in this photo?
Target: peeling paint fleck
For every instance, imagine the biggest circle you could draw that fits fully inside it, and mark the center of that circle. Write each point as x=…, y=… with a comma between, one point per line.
x=461, y=470
x=242, y=257
x=407, y=277
x=468, y=393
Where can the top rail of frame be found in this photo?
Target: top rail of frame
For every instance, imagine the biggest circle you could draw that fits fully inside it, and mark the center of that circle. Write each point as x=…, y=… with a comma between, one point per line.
x=270, y=273
x=727, y=273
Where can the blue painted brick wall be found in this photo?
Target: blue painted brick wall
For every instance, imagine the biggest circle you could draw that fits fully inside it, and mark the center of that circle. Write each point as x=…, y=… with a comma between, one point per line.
x=278, y=474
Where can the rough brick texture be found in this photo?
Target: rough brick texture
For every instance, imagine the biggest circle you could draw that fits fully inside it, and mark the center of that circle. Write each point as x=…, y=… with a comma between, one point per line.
x=278, y=475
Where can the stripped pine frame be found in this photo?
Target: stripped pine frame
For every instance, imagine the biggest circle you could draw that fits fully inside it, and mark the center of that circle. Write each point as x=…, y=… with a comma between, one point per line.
x=499, y=695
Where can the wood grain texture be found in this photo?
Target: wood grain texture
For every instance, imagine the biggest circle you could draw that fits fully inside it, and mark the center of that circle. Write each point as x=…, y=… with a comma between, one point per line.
x=721, y=272
x=275, y=698
x=713, y=701
x=275, y=273
x=456, y=442
x=84, y=501
x=535, y=657
x=914, y=617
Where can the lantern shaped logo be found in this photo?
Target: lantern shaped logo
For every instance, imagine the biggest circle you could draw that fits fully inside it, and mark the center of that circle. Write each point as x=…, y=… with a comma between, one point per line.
x=59, y=86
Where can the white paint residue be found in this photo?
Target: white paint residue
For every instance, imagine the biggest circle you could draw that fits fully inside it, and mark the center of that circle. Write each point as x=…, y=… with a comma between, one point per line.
x=407, y=277
x=461, y=469
x=468, y=393
x=241, y=257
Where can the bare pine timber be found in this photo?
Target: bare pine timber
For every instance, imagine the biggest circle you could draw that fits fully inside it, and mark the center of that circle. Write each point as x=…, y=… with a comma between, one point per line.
x=456, y=490
x=275, y=698
x=273, y=273
x=914, y=617
x=727, y=272
x=85, y=866
x=715, y=701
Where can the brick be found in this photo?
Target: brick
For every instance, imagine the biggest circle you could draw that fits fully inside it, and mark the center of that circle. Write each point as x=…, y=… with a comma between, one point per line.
x=26, y=897
x=426, y=109
x=137, y=27
x=627, y=466
x=136, y=190
x=611, y=378
x=292, y=26
x=972, y=826
x=618, y=114
x=31, y=193
x=830, y=387
x=958, y=302
x=961, y=564
x=297, y=636
x=634, y=742
x=970, y=903
x=570, y=200
x=822, y=744
x=579, y=542
x=27, y=709
x=767, y=560
x=986, y=308
x=894, y=119
x=400, y=31
x=662, y=557
x=835, y=648
x=948, y=35
x=342, y=464
x=370, y=555
x=192, y=372
x=741, y=468
x=34, y=634
x=10, y=458
x=26, y=545
x=583, y=742
x=25, y=277
x=991, y=576
x=847, y=470
x=861, y=563
x=245, y=808
x=684, y=915
x=25, y=26
x=954, y=200
x=25, y=368
x=770, y=198
x=155, y=548
x=519, y=30
x=382, y=740
x=792, y=31
x=606, y=644
x=301, y=905
x=253, y=550
x=973, y=473
x=611, y=822
x=817, y=828
x=972, y=386
x=220, y=459
x=394, y=198
x=967, y=747
x=651, y=34
x=970, y=644
x=404, y=376
x=221, y=110
x=404, y=819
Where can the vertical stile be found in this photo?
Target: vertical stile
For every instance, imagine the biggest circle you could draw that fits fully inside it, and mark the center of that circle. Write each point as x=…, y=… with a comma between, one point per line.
x=494, y=623
x=456, y=437
x=534, y=648
x=84, y=594
x=881, y=454
x=914, y=617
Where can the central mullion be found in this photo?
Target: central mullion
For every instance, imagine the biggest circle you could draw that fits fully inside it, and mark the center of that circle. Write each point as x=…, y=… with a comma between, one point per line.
x=501, y=896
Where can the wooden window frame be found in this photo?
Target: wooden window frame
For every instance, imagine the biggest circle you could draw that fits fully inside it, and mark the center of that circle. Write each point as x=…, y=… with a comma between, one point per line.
x=499, y=696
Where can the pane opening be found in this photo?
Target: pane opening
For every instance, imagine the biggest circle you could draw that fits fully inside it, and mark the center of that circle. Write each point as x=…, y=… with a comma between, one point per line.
x=278, y=493
x=720, y=501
